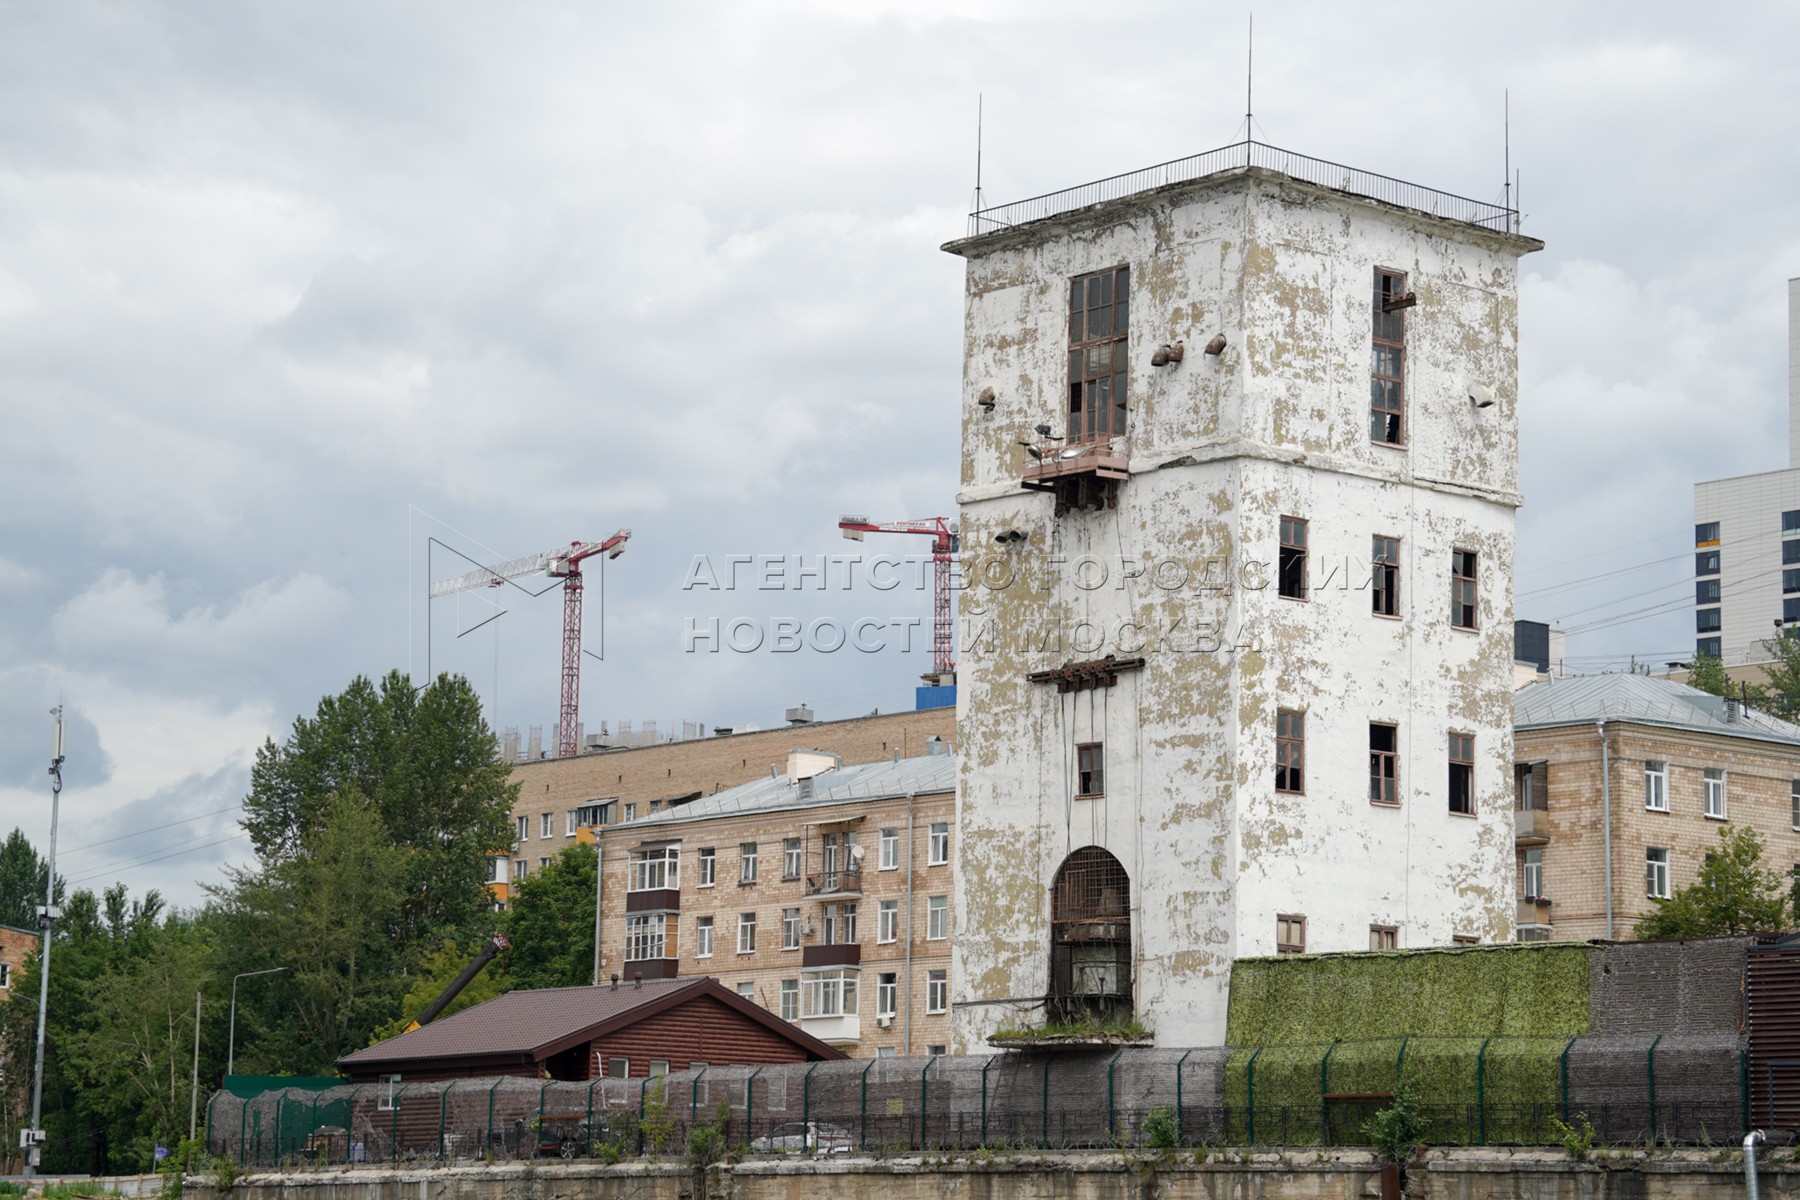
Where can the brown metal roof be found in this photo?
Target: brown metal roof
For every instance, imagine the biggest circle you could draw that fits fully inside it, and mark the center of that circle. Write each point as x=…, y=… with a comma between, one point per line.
x=535, y=1024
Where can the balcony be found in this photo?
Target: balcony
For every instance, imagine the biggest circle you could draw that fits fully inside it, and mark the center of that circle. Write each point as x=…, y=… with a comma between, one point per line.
x=653, y=900
x=649, y=968
x=1531, y=827
x=1085, y=476
x=1534, y=910
x=843, y=954
x=845, y=1028
x=840, y=884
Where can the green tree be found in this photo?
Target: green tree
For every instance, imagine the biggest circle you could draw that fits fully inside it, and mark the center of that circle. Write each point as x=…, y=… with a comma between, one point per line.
x=1734, y=893
x=1708, y=675
x=551, y=922
x=1781, y=697
x=23, y=872
x=437, y=972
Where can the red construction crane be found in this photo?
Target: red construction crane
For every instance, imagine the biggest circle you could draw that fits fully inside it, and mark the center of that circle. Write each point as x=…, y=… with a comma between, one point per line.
x=564, y=563
x=944, y=542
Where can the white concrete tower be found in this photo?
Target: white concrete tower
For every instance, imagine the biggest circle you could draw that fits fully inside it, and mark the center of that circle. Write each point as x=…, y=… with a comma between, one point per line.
x=1284, y=507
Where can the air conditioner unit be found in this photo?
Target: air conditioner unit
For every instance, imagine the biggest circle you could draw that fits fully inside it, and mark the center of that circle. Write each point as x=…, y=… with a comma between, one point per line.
x=883, y=1022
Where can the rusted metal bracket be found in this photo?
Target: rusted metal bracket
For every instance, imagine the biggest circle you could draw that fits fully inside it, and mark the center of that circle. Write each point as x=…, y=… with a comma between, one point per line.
x=1081, y=676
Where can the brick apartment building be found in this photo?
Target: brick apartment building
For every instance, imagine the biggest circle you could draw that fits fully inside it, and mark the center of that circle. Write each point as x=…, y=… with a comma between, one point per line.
x=823, y=894
x=562, y=800
x=16, y=947
x=1666, y=767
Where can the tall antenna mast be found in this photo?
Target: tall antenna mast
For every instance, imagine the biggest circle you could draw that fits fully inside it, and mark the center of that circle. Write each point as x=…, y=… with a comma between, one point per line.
x=1249, y=81
x=978, y=202
x=1506, y=141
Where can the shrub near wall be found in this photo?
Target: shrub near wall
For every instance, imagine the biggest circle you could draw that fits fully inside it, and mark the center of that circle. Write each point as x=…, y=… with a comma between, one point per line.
x=1347, y=1024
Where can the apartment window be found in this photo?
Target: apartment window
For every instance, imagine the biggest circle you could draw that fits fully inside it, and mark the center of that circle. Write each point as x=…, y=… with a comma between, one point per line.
x=1790, y=610
x=840, y=924
x=829, y=993
x=1290, y=568
x=1387, y=359
x=1090, y=769
x=937, y=1050
x=890, y=849
x=1706, y=591
x=547, y=825
x=1385, y=593
x=884, y=1052
x=1463, y=564
x=1790, y=553
x=887, y=912
x=1790, y=580
x=709, y=866
x=1462, y=773
x=887, y=994
x=1384, y=763
x=1715, y=793
x=645, y=936
x=519, y=869
x=524, y=829
x=747, y=933
x=790, y=999
x=1790, y=522
x=937, y=994
x=497, y=869
x=1531, y=782
x=937, y=918
x=1656, y=872
x=747, y=862
x=938, y=849
x=1464, y=939
x=1531, y=874
x=1098, y=360
x=1706, y=562
x=631, y=812
x=588, y=816
x=1384, y=937
x=655, y=869
x=703, y=937
x=1794, y=801
x=5, y=975
x=1706, y=534
x=1656, y=786
x=1706, y=620
x=1290, y=751
x=747, y=990
x=1706, y=647
x=790, y=858
x=544, y=862
x=790, y=929
x=1290, y=934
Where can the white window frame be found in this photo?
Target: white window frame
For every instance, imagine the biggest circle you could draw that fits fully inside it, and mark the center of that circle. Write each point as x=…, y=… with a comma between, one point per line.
x=790, y=929
x=938, y=852
x=1656, y=785
x=887, y=921
x=1531, y=875
x=519, y=869
x=887, y=994
x=890, y=850
x=792, y=858
x=646, y=937
x=547, y=825
x=937, y=918
x=829, y=993
x=655, y=869
x=746, y=942
x=703, y=937
x=569, y=825
x=1656, y=873
x=937, y=991
x=631, y=811
x=747, y=855
x=618, y=1066
x=522, y=825
x=1794, y=802
x=790, y=999
x=746, y=990
x=385, y=1099
x=1713, y=780
x=709, y=866
x=497, y=868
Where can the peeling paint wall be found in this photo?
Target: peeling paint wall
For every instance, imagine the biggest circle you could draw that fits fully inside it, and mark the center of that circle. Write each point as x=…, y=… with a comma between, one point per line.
x=1182, y=572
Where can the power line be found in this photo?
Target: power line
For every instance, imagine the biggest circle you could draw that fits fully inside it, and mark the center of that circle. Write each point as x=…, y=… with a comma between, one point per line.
x=127, y=866
x=1573, y=583
x=156, y=828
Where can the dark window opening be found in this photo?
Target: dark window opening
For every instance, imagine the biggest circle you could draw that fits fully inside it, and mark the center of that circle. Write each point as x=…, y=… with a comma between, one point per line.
x=1706, y=620
x=1706, y=562
x=1090, y=769
x=1384, y=763
x=1290, y=751
x=1090, y=939
x=1098, y=364
x=1706, y=591
x=1291, y=563
x=1463, y=565
x=1462, y=773
x=1706, y=533
x=1790, y=551
x=1387, y=366
x=1386, y=591
x=1707, y=647
x=1790, y=522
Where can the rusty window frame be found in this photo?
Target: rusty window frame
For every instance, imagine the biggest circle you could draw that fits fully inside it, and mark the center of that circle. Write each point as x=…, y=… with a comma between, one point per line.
x=1387, y=360
x=1290, y=751
x=1385, y=576
x=1290, y=933
x=1384, y=763
x=1462, y=773
x=1465, y=594
x=1099, y=313
x=1384, y=937
x=1290, y=563
x=1090, y=770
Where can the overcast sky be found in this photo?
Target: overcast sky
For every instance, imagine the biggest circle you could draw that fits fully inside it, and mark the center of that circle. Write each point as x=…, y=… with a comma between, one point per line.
x=286, y=289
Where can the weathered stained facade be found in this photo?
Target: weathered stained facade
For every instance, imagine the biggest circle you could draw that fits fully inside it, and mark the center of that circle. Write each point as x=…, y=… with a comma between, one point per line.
x=1242, y=356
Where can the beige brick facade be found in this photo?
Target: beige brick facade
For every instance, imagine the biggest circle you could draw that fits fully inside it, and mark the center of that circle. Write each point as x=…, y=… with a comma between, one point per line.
x=17, y=946
x=1759, y=781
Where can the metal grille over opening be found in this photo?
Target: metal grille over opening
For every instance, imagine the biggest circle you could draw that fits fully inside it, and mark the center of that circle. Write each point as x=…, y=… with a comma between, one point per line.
x=1090, y=939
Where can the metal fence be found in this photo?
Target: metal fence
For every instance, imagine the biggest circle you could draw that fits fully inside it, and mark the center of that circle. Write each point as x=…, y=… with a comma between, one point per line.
x=1248, y=154
x=1686, y=1090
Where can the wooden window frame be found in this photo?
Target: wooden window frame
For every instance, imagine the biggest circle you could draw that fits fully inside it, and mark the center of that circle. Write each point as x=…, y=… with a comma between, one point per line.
x=1465, y=589
x=1290, y=751
x=1290, y=560
x=1462, y=744
x=1384, y=767
x=1099, y=355
x=1292, y=928
x=1384, y=937
x=1384, y=576
x=1090, y=770
x=1387, y=379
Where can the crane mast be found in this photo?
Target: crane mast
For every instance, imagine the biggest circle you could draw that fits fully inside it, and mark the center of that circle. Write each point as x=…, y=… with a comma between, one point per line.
x=944, y=544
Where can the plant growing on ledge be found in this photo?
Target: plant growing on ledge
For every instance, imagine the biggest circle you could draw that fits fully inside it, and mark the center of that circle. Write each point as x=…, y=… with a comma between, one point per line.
x=1125, y=1029
x=1395, y=1130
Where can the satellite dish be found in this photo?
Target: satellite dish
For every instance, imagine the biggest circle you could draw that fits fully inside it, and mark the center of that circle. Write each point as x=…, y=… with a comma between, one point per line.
x=1481, y=395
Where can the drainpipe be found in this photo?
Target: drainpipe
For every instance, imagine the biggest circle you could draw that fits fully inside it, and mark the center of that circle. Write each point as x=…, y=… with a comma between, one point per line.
x=1606, y=822
x=1750, y=1141
x=911, y=866
x=599, y=879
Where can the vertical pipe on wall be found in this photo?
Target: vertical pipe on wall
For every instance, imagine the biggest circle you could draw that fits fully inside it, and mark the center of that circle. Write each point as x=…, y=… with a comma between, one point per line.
x=1606, y=823
x=1180, y=1126
x=911, y=866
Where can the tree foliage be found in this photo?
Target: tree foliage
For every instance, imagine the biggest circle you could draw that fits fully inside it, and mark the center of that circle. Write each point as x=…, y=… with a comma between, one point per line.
x=1781, y=697
x=23, y=873
x=551, y=922
x=1707, y=674
x=1733, y=894
x=438, y=971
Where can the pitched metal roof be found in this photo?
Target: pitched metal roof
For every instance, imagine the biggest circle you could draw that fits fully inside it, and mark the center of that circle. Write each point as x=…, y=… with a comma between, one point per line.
x=1642, y=700
x=924, y=775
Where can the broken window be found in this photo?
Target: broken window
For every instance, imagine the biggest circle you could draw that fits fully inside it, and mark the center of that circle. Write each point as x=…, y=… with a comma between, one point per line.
x=1291, y=565
x=1090, y=938
x=1090, y=769
x=1462, y=588
x=1384, y=763
x=1290, y=751
x=1386, y=577
x=1097, y=355
x=1290, y=933
x=1462, y=773
x=1387, y=370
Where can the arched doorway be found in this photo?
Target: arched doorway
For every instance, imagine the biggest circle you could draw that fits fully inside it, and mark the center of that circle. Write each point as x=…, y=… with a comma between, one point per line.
x=1090, y=939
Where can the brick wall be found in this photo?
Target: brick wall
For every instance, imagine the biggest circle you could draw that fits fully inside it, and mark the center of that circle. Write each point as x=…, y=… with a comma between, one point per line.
x=16, y=947
x=703, y=1031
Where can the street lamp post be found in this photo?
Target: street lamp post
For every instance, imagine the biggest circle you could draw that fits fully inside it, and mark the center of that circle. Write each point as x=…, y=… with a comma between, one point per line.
x=231, y=1037
x=33, y=1138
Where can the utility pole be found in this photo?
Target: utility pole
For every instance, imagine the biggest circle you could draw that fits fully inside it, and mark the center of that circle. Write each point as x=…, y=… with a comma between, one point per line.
x=194, y=1088
x=32, y=1139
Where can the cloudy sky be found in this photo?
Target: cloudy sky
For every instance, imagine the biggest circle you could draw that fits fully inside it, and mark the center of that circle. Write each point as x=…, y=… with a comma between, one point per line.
x=287, y=290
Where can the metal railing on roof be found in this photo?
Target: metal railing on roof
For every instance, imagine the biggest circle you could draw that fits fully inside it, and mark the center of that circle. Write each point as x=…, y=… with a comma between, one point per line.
x=1249, y=154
